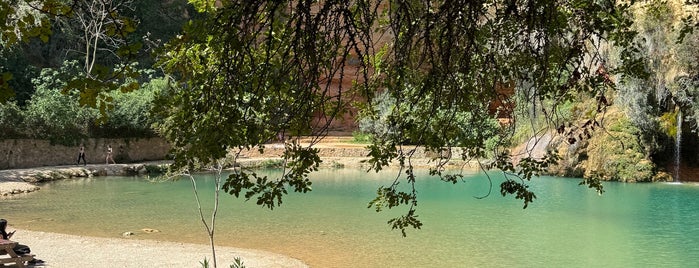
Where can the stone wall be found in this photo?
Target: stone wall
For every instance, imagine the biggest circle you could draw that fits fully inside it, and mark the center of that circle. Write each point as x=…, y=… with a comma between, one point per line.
x=27, y=153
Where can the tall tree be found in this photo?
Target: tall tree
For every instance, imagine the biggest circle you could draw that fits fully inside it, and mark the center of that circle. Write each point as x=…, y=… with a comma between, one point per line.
x=102, y=28
x=99, y=31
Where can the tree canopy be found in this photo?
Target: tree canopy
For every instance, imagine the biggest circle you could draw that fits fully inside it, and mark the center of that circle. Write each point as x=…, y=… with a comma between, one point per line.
x=251, y=69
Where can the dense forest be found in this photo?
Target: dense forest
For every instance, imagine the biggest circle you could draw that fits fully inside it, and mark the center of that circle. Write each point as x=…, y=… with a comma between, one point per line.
x=40, y=93
x=611, y=87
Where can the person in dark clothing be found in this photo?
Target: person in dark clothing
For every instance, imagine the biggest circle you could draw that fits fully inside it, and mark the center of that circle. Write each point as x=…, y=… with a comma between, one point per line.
x=81, y=155
x=19, y=248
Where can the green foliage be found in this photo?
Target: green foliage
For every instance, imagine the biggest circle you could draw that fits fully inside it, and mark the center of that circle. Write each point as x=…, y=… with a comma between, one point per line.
x=248, y=70
x=158, y=22
x=530, y=121
x=626, y=159
x=156, y=169
x=447, y=128
x=593, y=182
x=394, y=196
x=444, y=71
x=16, y=73
x=272, y=163
x=20, y=22
x=517, y=177
x=130, y=112
x=375, y=119
x=11, y=120
x=668, y=123
x=244, y=71
x=688, y=98
x=335, y=164
x=54, y=115
x=45, y=33
x=616, y=152
x=653, y=102
x=204, y=263
x=298, y=163
x=237, y=263
x=361, y=137
x=57, y=115
x=5, y=90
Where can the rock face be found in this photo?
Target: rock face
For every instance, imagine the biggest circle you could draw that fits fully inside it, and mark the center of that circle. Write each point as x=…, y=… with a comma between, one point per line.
x=612, y=151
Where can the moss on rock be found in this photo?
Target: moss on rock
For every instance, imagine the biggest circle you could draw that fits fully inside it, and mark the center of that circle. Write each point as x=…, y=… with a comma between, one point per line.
x=613, y=152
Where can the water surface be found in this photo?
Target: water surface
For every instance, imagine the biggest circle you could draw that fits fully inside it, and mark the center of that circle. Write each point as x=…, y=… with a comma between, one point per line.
x=631, y=225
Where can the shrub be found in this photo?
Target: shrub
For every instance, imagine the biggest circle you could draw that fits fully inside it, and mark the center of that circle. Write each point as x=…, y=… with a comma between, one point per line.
x=11, y=121
x=53, y=115
x=361, y=137
x=272, y=163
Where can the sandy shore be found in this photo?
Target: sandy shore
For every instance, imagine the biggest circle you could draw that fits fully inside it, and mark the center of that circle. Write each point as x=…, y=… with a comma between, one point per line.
x=16, y=187
x=60, y=250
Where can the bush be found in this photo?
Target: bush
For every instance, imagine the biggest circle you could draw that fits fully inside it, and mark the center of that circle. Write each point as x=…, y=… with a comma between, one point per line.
x=272, y=163
x=131, y=115
x=361, y=137
x=55, y=116
x=11, y=121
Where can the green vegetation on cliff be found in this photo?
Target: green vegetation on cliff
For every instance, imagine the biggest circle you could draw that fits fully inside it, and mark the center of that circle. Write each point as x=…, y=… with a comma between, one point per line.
x=612, y=151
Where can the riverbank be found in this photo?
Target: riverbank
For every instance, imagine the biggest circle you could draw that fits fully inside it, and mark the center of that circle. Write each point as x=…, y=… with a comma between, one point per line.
x=61, y=250
x=23, y=181
x=336, y=152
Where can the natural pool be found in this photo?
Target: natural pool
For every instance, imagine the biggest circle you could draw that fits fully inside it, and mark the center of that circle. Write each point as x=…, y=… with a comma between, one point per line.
x=631, y=225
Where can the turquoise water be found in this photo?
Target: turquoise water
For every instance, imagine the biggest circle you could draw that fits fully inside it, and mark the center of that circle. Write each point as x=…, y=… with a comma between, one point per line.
x=631, y=225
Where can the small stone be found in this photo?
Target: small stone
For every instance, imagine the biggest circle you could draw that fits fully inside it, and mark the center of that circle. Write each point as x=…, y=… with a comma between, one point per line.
x=127, y=234
x=149, y=230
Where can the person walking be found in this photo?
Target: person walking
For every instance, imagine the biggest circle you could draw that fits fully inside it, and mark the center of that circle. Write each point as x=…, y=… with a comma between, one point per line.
x=81, y=155
x=109, y=154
